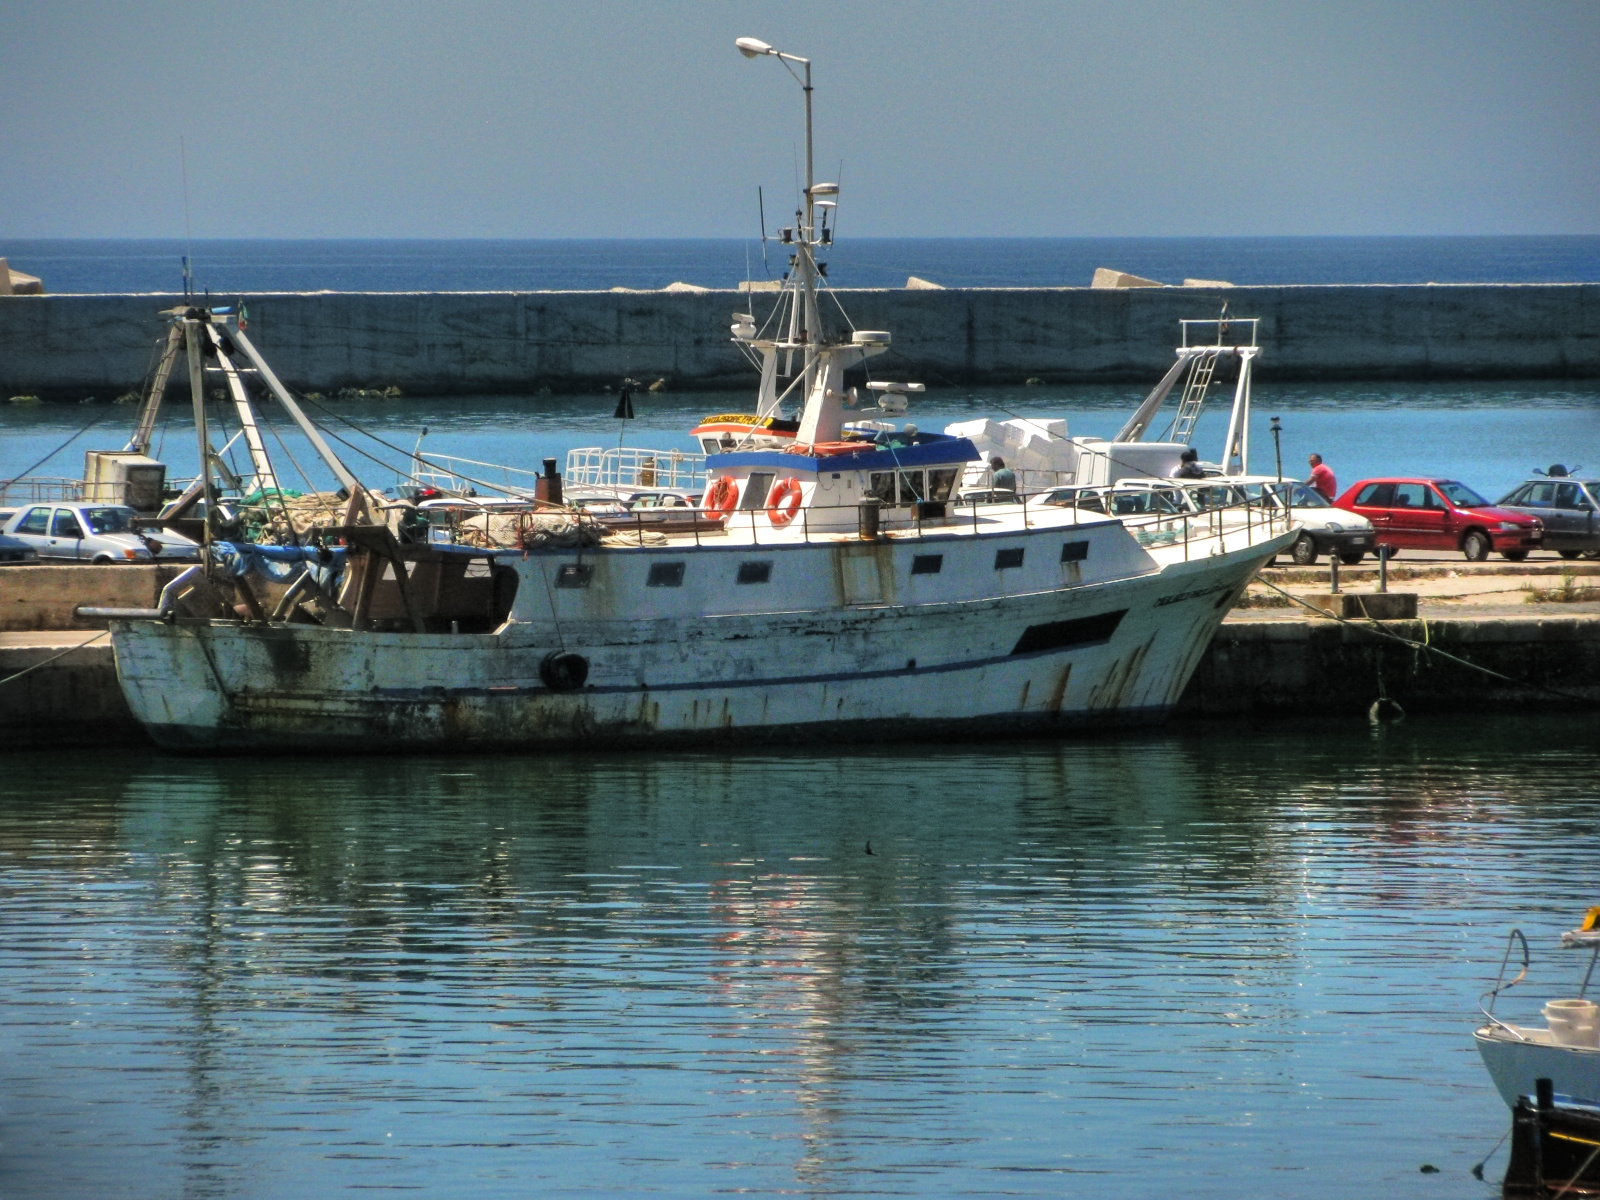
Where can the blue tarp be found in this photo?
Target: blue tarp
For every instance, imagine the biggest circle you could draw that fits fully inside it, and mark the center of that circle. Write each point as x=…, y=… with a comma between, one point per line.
x=278, y=562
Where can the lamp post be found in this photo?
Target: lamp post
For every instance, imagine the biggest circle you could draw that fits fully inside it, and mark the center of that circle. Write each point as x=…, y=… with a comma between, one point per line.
x=1277, y=446
x=809, y=326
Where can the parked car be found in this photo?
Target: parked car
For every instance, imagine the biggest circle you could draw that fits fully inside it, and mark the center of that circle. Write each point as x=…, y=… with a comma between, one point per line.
x=1441, y=514
x=98, y=533
x=1567, y=508
x=15, y=550
x=1324, y=529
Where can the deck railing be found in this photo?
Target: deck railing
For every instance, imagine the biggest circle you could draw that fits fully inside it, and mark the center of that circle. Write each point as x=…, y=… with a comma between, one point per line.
x=631, y=467
x=452, y=474
x=40, y=490
x=1201, y=532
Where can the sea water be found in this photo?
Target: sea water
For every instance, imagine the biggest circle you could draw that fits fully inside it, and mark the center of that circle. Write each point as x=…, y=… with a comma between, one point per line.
x=1489, y=435
x=1216, y=961
x=223, y=267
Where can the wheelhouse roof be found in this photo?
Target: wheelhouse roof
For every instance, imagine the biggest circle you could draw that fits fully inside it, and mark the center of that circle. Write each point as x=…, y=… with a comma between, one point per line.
x=938, y=450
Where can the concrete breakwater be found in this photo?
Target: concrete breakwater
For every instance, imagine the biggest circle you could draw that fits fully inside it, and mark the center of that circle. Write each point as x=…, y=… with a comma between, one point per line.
x=73, y=346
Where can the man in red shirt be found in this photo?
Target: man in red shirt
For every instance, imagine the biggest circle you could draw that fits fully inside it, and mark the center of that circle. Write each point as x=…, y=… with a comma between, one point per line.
x=1322, y=478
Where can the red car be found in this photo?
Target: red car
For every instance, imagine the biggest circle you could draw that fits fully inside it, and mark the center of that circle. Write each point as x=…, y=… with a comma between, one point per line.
x=1441, y=514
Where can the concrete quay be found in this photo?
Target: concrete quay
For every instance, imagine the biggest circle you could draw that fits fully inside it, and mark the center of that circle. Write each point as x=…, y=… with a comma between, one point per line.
x=43, y=596
x=461, y=343
x=74, y=700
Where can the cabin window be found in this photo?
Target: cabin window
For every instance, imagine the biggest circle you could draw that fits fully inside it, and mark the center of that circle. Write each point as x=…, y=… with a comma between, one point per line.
x=711, y=445
x=912, y=484
x=942, y=483
x=756, y=489
x=1005, y=559
x=665, y=574
x=755, y=572
x=882, y=486
x=1075, y=552
x=927, y=564
x=574, y=575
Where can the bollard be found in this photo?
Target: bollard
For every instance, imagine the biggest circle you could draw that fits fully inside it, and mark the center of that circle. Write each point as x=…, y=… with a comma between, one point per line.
x=869, y=510
x=1333, y=573
x=1383, y=569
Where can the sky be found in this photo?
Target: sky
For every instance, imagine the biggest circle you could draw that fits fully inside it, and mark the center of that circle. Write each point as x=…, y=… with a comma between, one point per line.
x=618, y=120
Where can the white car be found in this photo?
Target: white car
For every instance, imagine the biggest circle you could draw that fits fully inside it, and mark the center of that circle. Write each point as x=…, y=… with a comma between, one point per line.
x=96, y=533
x=1324, y=529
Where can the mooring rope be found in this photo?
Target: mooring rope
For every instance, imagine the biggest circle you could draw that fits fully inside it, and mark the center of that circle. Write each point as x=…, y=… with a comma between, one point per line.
x=1375, y=628
x=54, y=658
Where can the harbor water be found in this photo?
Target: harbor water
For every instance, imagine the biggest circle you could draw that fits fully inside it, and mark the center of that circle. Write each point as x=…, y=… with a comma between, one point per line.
x=379, y=265
x=1489, y=435
x=1238, y=961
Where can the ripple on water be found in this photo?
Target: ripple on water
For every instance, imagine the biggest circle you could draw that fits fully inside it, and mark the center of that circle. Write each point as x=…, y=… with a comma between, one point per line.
x=1214, y=963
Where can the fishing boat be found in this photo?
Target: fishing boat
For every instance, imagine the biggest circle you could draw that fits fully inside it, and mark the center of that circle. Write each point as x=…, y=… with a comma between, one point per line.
x=1566, y=1050
x=836, y=588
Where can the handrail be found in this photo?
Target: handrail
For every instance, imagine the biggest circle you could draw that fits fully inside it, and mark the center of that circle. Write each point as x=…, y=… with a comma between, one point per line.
x=1163, y=528
x=42, y=489
x=631, y=466
x=1493, y=993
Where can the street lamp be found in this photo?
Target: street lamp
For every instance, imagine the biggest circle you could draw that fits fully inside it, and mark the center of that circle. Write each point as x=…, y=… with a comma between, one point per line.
x=812, y=326
x=1277, y=446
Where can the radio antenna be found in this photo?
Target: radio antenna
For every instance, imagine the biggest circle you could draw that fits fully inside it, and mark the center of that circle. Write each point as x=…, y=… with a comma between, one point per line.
x=188, y=248
x=761, y=204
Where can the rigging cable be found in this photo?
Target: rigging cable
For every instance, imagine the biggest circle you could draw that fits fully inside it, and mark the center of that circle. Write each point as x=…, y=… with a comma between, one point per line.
x=56, y=451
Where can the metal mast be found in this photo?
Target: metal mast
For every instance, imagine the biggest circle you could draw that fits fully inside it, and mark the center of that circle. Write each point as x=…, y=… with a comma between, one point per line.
x=806, y=325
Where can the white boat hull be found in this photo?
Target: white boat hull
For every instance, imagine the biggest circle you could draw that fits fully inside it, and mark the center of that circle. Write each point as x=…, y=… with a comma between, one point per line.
x=1515, y=1064
x=866, y=672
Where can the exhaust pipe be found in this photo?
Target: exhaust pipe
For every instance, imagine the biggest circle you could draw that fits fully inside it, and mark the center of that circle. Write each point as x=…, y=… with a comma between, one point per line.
x=163, y=608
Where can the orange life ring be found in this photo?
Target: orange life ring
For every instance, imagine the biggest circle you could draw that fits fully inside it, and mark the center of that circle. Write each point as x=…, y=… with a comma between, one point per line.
x=721, y=496
x=784, y=503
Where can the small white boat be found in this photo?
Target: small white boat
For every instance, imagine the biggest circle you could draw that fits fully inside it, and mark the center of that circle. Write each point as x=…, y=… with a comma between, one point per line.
x=1566, y=1051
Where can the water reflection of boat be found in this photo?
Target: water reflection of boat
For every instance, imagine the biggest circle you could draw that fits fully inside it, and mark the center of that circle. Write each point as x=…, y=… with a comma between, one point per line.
x=830, y=589
x=1566, y=1051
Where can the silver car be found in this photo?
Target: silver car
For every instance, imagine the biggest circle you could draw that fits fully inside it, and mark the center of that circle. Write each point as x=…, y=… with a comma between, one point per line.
x=96, y=533
x=1567, y=507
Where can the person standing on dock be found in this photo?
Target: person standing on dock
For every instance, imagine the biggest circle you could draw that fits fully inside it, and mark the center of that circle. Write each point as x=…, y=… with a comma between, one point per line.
x=1322, y=479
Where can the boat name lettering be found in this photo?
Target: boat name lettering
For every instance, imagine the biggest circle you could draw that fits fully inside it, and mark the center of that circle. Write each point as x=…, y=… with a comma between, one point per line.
x=1196, y=594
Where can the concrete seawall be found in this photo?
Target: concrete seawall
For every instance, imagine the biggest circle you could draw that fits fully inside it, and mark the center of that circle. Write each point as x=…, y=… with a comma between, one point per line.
x=72, y=346
x=1305, y=667
x=45, y=596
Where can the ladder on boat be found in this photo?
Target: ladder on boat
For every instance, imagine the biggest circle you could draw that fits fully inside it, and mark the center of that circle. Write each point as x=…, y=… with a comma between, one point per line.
x=1194, y=394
